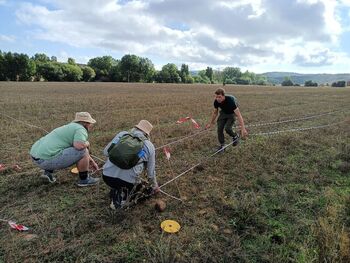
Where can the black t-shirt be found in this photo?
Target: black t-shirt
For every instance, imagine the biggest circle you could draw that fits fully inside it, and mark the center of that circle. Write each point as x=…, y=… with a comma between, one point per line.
x=228, y=105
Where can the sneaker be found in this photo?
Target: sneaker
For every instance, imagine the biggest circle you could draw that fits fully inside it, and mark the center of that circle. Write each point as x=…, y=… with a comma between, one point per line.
x=235, y=140
x=112, y=206
x=118, y=199
x=88, y=181
x=48, y=176
x=220, y=149
x=115, y=206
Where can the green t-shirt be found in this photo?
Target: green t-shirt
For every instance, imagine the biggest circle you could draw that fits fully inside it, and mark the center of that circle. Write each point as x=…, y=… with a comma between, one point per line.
x=59, y=139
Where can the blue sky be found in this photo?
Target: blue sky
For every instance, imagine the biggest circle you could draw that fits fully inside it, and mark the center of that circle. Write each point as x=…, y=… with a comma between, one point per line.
x=305, y=36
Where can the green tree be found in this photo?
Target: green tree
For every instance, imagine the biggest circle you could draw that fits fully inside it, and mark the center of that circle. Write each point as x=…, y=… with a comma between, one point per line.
x=287, y=82
x=53, y=59
x=218, y=76
x=71, y=61
x=40, y=57
x=310, y=83
x=209, y=73
x=17, y=67
x=71, y=72
x=102, y=67
x=50, y=71
x=231, y=73
x=88, y=73
x=147, y=70
x=2, y=67
x=341, y=83
x=130, y=68
x=115, y=74
x=169, y=74
x=261, y=80
x=189, y=79
x=184, y=73
x=202, y=77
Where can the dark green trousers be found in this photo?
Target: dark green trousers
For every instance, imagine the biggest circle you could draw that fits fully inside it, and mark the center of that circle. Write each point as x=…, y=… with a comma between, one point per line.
x=225, y=122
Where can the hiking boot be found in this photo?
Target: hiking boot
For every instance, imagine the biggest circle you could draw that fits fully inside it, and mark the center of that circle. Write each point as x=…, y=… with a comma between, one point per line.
x=235, y=140
x=48, y=176
x=88, y=181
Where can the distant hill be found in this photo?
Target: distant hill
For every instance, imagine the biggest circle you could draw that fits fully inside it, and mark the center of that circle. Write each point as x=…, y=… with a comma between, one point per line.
x=297, y=78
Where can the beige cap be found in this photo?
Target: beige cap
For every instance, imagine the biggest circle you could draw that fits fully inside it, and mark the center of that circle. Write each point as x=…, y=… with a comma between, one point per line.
x=145, y=126
x=84, y=117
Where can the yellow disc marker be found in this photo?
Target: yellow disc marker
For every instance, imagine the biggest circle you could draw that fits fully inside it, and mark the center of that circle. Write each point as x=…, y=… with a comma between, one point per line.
x=170, y=226
x=74, y=170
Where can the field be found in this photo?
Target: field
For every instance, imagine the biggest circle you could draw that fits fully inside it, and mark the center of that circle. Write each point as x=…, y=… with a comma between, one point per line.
x=278, y=198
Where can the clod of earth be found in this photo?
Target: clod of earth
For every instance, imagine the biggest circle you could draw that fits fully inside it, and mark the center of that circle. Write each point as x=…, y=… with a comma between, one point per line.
x=160, y=205
x=344, y=167
x=199, y=168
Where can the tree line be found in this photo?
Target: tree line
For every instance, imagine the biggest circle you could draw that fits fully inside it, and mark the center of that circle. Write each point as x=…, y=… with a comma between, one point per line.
x=130, y=68
x=309, y=83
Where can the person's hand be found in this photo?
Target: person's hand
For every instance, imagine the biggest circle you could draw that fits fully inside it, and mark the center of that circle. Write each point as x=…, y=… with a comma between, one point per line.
x=94, y=165
x=156, y=190
x=16, y=167
x=244, y=133
x=2, y=167
x=208, y=126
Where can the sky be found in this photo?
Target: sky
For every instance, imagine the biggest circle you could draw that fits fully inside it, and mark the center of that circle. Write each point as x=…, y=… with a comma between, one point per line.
x=304, y=36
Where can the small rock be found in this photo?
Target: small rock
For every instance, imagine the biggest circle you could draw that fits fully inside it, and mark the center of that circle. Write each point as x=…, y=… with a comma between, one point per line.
x=215, y=227
x=30, y=237
x=199, y=168
x=344, y=167
x=227, y=231
x=160, y=205
x=203, y=212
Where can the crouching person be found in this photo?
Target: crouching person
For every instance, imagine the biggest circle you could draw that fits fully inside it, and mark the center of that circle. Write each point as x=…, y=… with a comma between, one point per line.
x=65, y=146
x=128, y=154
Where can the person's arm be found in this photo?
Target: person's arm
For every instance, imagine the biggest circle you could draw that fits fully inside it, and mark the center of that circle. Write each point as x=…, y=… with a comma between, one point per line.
x=81, y=145
x=93, y=163
x=243, y=130
x=80, y=139
x=213, y=118
x=151, y=168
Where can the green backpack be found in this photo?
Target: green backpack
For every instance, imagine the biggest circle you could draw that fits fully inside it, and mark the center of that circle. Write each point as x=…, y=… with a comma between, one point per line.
x=126, y=153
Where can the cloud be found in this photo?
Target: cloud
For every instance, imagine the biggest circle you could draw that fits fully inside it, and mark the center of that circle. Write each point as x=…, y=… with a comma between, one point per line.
x=5, y=38
x=320, y=58
x=2, y=2
x=199, y=32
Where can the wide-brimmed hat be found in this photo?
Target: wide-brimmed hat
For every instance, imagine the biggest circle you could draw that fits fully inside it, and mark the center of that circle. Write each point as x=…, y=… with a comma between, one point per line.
x=84, y=117
x=145, y=126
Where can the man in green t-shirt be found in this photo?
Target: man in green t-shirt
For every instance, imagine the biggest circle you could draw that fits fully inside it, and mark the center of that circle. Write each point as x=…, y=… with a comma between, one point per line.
x=228, y=111
x=65, y=146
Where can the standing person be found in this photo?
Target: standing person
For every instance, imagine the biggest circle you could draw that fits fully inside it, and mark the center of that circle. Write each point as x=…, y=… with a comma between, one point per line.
x=228, y=112
x=128, y=154
x=65, y=146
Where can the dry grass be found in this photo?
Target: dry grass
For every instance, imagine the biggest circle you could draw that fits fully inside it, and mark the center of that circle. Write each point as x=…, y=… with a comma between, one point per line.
x=283, y=198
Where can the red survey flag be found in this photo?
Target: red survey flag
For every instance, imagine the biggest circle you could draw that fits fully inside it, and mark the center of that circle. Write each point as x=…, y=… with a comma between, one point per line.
x=195, y=124
x=17, y=226
x=182, y=120
x=166, y=151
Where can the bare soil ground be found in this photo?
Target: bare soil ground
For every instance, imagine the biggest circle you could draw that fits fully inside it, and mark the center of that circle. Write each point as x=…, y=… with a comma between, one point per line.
x=280, y=198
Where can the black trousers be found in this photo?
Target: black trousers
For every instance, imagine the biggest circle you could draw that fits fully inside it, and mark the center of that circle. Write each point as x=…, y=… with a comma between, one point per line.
x=116, y=183
x=120, y=190
x=225, y=121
